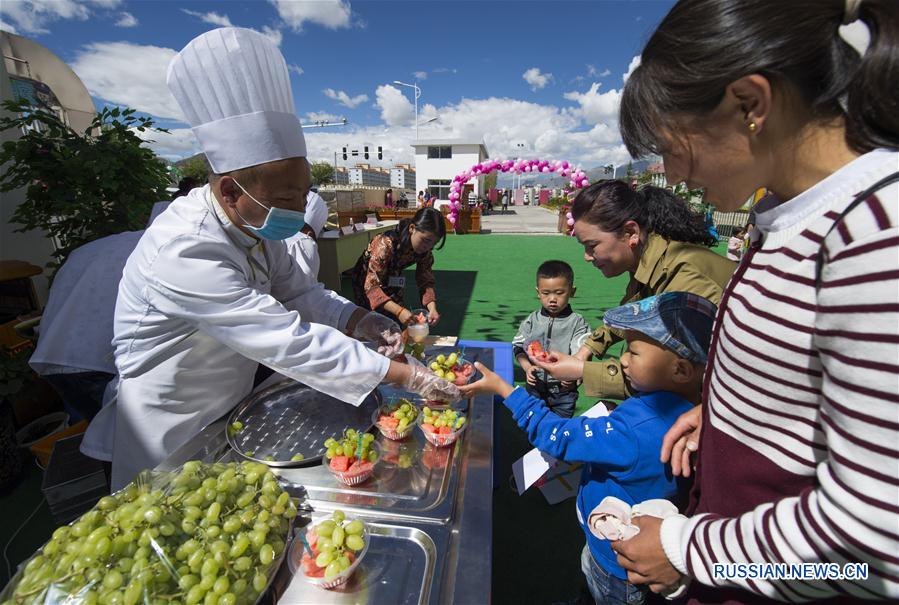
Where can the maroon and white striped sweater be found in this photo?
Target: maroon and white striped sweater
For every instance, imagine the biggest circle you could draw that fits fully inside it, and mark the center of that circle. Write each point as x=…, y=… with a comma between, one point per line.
x=799, y=451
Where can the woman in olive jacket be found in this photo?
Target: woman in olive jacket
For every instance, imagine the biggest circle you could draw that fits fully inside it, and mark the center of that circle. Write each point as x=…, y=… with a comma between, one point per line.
x=654, y=237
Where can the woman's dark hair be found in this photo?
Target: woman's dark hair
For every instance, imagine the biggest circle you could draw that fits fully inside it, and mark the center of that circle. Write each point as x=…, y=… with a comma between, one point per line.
x=610, y=204
x=701, y=46
x=428, y=220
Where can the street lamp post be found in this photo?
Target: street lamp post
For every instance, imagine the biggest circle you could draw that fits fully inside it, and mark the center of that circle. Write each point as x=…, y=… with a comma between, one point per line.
x=417, y=94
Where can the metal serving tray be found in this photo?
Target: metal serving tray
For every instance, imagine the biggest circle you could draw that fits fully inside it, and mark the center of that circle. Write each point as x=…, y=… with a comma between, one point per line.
x=401, y=567
x=290, y=418
x=425, y=489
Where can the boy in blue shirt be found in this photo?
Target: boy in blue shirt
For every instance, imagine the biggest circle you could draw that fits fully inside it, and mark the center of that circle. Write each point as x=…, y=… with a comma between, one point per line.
x=667, y=345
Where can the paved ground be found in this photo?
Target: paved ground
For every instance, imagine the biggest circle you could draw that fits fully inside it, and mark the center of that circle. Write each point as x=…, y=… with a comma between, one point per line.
x=520, y=219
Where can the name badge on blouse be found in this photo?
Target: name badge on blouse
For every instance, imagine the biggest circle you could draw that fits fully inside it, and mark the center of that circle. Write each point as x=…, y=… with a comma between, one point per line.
x=397, y=281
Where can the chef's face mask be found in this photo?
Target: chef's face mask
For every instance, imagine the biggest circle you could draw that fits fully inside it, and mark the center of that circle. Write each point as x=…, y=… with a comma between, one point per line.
x=279, y=224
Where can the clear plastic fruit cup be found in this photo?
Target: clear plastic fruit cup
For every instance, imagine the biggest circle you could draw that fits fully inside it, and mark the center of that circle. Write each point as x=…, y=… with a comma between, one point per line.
x=353, y=478
x=393, y=434
x=418, y=330
x=298, y=548
x=441, y=440
x=461, y=377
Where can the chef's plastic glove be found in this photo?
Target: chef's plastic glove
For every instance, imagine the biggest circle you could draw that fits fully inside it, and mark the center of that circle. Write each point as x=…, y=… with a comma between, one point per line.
x=382, y=331
x=430, y=386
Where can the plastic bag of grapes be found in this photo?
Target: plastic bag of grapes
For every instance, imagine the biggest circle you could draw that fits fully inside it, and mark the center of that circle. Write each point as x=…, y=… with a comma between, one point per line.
x=202, y=533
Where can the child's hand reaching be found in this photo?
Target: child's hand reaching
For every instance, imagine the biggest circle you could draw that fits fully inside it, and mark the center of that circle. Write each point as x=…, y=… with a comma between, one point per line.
x=490, y=383
x=566, y=367
x=530, y=375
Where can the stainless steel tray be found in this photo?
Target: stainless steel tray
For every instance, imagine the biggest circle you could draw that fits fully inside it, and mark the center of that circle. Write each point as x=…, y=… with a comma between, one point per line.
x=426, y=488
x=401, y=568
x=290, y=418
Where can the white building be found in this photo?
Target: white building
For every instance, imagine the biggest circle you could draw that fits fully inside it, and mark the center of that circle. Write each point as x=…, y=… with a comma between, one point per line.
x=402, y=176
x=437, y=161
x=341, y=177
x=364, y=174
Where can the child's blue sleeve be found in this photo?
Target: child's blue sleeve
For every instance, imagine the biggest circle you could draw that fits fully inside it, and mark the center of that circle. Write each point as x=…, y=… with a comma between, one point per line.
x=606, y=441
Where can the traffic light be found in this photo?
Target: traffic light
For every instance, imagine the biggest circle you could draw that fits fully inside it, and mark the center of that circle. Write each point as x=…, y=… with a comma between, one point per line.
x=366, y=152
x=344, y=153
x=380, y=153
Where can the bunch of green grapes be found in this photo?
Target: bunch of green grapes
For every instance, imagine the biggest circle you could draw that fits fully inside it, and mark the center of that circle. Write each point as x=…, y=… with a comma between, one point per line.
x=335, y=540
x=211, y=536
x=449, y=417
x=349, y=445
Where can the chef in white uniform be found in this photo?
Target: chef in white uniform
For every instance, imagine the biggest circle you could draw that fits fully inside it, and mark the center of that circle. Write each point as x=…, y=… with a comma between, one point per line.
x=303, y=246
x=210, y=290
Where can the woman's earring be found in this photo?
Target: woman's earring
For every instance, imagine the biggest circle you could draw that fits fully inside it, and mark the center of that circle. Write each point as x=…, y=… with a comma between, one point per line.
x=753, y=127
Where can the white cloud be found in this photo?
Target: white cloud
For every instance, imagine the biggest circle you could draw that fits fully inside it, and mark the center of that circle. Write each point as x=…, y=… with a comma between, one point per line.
x=128, y=74
x=178, y=143
x=396, y=108
x=322, y=116
x=444, y=70
x=634, y=64
x=333, y=14
x=420, y=75
x=596, y=107
x=536, y=79
x=31, y=16
x=345, y=99
x=273, y=34
x=212, y=18
x=295, y=69
x=221, y=20
x=126, y=20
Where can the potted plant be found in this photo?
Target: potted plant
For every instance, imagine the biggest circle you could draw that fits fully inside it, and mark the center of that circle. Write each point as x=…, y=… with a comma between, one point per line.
x=80, y=186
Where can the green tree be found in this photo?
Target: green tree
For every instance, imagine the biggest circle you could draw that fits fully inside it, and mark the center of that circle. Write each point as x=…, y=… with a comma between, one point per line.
x=322, y=173
x=80, y=186
x=196, y=167
x=644, y=178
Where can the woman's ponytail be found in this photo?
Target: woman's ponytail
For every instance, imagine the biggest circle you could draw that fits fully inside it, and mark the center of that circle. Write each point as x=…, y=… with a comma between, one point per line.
x=672, y=218
x=872, y=106
x=610, y=204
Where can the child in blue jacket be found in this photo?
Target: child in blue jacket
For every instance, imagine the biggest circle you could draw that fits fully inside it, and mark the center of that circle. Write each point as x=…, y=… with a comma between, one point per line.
x=667, y=344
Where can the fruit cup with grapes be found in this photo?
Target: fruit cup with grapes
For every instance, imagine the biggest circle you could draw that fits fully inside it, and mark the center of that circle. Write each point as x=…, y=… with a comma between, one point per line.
x=452, y=368
x=396, y=420
x=351, y=457
x=331, y=549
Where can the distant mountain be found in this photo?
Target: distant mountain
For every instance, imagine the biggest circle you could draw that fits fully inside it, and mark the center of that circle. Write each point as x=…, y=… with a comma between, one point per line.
x=186, y=160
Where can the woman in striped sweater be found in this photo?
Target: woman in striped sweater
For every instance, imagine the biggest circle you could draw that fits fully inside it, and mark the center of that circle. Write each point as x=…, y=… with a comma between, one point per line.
x=797, y=458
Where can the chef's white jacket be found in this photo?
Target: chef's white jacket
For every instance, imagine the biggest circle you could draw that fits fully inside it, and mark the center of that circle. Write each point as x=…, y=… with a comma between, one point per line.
x=76, y=325
x=304, y=250
x=199, y=305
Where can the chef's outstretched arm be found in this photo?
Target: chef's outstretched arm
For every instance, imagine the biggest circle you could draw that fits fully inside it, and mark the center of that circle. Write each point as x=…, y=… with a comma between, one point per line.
x=192, y=281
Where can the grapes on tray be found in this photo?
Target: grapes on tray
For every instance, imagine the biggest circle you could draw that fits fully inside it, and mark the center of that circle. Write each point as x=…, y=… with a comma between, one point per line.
x=452, y=368
x=335, y=545
x=209, y=534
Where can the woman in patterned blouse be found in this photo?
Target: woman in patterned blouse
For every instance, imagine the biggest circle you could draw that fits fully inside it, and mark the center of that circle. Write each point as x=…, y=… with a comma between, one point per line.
x=378, y=281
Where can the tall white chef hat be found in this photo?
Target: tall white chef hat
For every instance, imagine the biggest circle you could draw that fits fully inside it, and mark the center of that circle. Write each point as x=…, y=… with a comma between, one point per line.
x=234, y=88
x=316, y=212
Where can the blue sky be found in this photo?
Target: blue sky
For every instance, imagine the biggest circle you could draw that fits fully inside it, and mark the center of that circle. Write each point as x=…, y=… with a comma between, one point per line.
x=535, y=79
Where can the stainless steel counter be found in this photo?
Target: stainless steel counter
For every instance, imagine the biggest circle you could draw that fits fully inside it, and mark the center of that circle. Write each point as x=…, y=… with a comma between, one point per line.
x=431, y=523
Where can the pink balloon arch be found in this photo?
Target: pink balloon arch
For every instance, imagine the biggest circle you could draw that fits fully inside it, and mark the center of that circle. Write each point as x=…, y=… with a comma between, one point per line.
x=561, y=167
